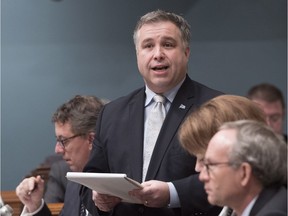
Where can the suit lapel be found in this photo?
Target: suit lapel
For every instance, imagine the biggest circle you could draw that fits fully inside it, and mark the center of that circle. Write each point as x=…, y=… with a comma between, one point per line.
x=181, y=105
x=136, y=134
x=72, y=200
x=262, y=199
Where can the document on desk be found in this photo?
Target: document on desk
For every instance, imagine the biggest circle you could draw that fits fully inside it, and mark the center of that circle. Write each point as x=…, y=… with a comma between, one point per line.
x=107, y=183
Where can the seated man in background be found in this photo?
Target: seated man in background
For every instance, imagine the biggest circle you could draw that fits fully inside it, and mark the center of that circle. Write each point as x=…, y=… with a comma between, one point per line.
x=271, y=101
x=75, y=123
x=245, y=167
x=57, y=181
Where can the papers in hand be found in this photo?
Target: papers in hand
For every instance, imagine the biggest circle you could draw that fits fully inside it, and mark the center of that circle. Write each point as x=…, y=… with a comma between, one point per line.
x=107, y=183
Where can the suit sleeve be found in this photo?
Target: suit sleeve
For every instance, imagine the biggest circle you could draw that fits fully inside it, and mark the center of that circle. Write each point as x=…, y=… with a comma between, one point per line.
x=45, y=211
x=193, y=197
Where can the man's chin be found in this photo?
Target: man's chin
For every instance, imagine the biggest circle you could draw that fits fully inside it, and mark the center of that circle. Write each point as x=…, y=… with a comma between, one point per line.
x=73, y=168
x=211, y=200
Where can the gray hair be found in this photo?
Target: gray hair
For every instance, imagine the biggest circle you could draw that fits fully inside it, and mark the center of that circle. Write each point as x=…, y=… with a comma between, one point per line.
x=81, y=112
x=258, y=145
x=163, y=16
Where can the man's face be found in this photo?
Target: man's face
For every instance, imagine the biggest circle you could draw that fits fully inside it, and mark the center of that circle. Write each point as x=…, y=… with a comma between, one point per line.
x=77, y=149
x=274, y=114
x=161, y=55
x=222, y=182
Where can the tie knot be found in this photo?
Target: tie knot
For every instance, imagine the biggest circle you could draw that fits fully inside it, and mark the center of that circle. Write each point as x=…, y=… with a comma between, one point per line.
x=159, y=98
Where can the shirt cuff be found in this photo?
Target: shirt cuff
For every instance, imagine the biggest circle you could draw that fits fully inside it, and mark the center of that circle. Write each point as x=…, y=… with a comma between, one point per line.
x=26, y=213
x=174, y=198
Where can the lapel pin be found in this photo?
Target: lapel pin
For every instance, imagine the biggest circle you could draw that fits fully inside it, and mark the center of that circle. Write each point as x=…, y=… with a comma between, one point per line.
x=182, y=106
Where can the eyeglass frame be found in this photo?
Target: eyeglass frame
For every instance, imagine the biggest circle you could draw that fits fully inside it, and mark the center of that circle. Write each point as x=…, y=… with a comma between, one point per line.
x=208, y=165
x=275, y=118
x=63, y=142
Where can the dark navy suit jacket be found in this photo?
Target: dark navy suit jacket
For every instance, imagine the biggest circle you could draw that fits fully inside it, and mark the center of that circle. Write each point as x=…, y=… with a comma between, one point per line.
x=71, y=202
x=118, y=148
x=271, y=202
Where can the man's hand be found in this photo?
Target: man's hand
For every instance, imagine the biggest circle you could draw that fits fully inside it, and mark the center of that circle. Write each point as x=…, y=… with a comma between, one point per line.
x=30, y=192
x=105, y=202
x=153, y=194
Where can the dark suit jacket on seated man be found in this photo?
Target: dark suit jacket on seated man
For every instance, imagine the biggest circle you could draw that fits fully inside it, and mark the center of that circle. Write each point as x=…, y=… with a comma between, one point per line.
x=171, y=186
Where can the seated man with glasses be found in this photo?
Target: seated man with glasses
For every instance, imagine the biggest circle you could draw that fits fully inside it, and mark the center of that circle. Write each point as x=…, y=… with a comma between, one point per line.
x=75, y=123
x=200, y=126
x=245, y=168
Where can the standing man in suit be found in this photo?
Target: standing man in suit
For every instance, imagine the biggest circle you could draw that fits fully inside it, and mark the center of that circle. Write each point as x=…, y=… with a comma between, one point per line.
x=170, y=184
x=245, y=168
x=75, y=123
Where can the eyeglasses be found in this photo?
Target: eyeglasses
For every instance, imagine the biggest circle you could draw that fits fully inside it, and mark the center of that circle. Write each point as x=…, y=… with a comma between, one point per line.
x=64, y=142
x=273, y=118
x=208, y=166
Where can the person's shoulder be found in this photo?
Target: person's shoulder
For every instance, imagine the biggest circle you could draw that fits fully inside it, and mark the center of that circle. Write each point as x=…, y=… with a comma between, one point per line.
x=129, y=97
x=198, y=85
x=283, y=192
x=276, y=198
x=199, y=90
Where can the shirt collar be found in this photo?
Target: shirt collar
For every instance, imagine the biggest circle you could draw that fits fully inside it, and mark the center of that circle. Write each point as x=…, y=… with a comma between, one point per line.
x=170, y=95
x=247, y=210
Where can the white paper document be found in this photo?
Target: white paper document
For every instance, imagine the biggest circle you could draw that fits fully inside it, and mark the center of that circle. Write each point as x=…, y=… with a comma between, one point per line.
x=107, y=183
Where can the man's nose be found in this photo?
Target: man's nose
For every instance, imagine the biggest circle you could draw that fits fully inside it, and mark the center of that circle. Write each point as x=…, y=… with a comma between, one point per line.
x=58, y=148
x=203, y=176
x=198, y=166
x=159, y=53
x=268, y=121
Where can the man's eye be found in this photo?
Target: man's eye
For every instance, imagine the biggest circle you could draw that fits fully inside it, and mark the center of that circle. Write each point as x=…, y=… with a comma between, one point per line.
x=275, y=118
x=168, y=45
x=148, y=46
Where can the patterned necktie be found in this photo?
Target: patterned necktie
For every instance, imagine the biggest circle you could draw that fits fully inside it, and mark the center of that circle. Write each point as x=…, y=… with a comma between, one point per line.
x=229, y=212
x=82, y=210
x=153, y=125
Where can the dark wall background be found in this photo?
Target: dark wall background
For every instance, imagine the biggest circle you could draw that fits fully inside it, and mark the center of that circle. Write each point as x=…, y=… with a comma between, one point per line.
x=52, y=50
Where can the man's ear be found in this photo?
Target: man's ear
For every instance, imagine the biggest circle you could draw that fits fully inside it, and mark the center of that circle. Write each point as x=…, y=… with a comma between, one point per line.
x=246, y=173
x=91, y=137
x=187, y=52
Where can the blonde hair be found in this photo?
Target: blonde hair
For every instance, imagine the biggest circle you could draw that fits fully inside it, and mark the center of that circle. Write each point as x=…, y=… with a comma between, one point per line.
x=199, y=127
